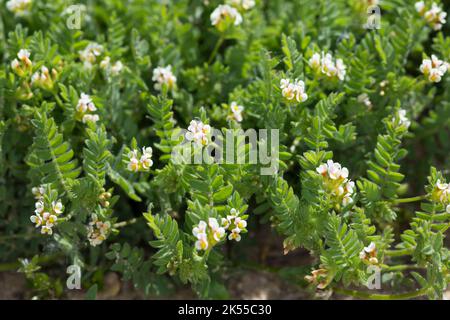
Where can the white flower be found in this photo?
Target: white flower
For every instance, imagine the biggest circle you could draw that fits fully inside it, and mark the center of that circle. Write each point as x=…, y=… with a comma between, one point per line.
x=362, y=255
x=90, y=118
x=433, y=68
x=349, y=187
x=51, y=220
x=117, y=68
x=364, y=98
x=322, y=169
x=85, y=103
x=147, y=151
x=198, y=132
x=420, y=7
x=235, y=235
x=448, y=209
x=97, y=231
x=369, y=251
x=244, y=4
x=23, y=54
x=435, y=16
x=15, y=64
x=293, y=90
x=38, y=192
x=57, y=207
x=223, y=12
x=199, y=229
x=133, y=164
x=202, y=242
x=347, y=200
x=334, y=169
x=218, y=234
x=23, y=65
x=236, y=111
x=232, y=216
x=442, y=186
x=39, y=206
x=46, y=230
x=45, y=216
x=336, y=181
x=36, y=219
x=240, y=223
x=444, y=190
x=146, y=158
x=19, y=7
x=104, y=64
x=213, y=224
x=90, y=53
x=225, y=223
x=328, y=66
x=314, y=61
x=370, y=248
x=341, y=69
x=402, y=119
x=146, y=162
x=164, y=76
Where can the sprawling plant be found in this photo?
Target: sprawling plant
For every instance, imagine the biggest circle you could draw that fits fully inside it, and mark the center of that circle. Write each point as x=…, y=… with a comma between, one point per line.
x=98, y=99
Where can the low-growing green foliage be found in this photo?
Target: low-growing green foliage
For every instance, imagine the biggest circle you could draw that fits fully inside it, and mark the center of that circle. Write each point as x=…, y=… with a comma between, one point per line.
x=91, y=116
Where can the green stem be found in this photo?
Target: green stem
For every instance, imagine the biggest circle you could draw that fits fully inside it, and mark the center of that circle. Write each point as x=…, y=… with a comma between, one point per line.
x=407, y=200
x=125, y=223
x=401, y=267
x=399, y=253
x=378, y=296
x=216, y=49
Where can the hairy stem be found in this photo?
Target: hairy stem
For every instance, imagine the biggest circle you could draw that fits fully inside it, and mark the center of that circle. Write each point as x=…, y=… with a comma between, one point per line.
x=407, y=200
x=399, y=253
x=125, y=223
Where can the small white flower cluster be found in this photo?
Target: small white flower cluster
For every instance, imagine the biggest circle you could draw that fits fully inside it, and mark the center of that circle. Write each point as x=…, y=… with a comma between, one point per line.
x=98, y=231
x=441, y=193
x=43, y=79
x=211, y=233
x=163, y=76
x=89, y=55
x=198, y=132
x=293, y=90
x=336, y=181
x=113, y=69
x=208, y=234
x=85, y=109
x=23, y=66
x=244, y=4
x=434, y=68
x=45, y=214
x=140, y=162
x=236, y=112
x=401, y=119
x=225, y=14
x=19, y=7
x=324, y=63
x=369, y=253
x=434, y=16
x=364, y=99
x=234, y=224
